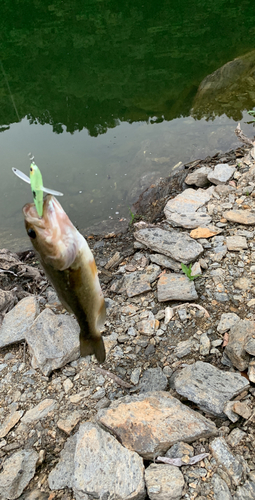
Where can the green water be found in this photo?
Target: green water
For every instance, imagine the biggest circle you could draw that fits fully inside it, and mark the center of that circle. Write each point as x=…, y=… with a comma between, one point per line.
x=105, y=92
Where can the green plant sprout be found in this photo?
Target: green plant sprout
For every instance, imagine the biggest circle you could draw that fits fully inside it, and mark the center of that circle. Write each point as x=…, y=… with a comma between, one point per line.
x=187, y=271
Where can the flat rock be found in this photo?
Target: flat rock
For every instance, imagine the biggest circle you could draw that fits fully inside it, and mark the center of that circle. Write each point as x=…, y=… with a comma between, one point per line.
x=239, y=335
x=62, y=475
x=189, y=220
x=179, y=450
x=152, y=422
x=221, y=173
x=227, y=320
x=53, y=341
x=163, y=261
x=103, y=468
x=153, y=379
x=249, y=346
x=176, y=287
x=139, y=282
x=18, y=321
x=245, y=492
x=68, y=424
x=148, y=326
x=198, y=177
x=235, y=437
x=188, y=201
x=251, y=371
x=164, y=482
x=207, y=386
x=7, y=300
x=242, y=408
x=9, y=422
x=220, y=488
x=202, y=232
x=178, y=246
x=18, y=470
x=240, y=216
x=39, y=411
x=227, y=460
x=236, y=243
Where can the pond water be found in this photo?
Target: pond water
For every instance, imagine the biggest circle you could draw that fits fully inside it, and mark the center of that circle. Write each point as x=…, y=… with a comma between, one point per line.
x=109, y=95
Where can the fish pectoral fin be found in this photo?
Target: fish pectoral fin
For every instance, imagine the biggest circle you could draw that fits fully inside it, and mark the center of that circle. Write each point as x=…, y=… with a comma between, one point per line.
x=92, y=346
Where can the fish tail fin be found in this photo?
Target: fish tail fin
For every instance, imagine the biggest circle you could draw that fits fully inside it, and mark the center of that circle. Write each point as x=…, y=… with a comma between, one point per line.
x=92, y=345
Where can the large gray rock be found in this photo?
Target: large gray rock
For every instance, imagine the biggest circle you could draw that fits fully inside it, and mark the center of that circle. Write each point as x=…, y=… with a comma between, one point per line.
x=163, y=261
x=139, y=282
x=152, y=422
x=164, y=482
x=198, y=177
x=39, y=411
x=208, y=387
x=18, y=321
x=231, y=464
x=227, y=320
x=18, y=470
x=189, y=220
x=188, y=201
x=220, y=488
x=103, y=468
x=176, y=287
x=62, y=475
x=53, y=341
x=239, y=335
x=178, y=246
x=221, y=173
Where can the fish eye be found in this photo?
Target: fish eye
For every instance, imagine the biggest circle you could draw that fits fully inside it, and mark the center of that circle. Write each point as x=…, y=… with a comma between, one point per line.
x=31, y=233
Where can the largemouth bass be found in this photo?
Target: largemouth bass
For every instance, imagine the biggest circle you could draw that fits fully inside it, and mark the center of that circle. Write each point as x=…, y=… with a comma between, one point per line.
x=70, y=266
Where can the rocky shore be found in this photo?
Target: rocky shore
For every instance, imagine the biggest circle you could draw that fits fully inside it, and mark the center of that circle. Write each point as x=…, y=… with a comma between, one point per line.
x=170, y=415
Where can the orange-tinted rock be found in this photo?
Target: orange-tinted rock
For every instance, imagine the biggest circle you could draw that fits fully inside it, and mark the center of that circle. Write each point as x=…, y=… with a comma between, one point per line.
x=240, y=216
x=202, y=232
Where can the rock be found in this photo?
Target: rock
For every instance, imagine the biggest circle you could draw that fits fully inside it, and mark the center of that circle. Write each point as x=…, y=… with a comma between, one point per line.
x=18, y=470
x=228, y=410
x=163, y=261
x=18, y=321
x=139, y=282
x=240, y=216
x=153, y=379
x=178, y=246
x=148, y=326
x=67, y=384
x=164, y=482
x=207, y=386
x=7, y=301
x=196, y=269
x=223, y=190
x=204, y=344
x=9, y=422
x=242, y=283
x=220, y=488
x=39, y=411
x=113, y=260
x=184, y=348
x=221, y=173
x=134, y=377
x=227, y=320
x=188, y=221
x=236, y=243
x=238, y=336
x=202, y=232
x=251, y=371
x=235, y=437
x=179, y=450
x=62, y=475
x=152, y=422
x=103, y=468
x=245, y=492
x=53, y=341
x=188, y=201
x=69, y=423
x=227, y=460
x=242, y=408
x=199, y=177
x=249, y=346
x=176, y=287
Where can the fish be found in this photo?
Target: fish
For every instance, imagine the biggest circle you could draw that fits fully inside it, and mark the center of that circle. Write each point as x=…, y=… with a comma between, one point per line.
x=70, y=266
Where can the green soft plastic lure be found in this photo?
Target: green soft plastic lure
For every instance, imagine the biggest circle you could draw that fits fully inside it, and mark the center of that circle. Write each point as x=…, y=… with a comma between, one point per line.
x=37, y=187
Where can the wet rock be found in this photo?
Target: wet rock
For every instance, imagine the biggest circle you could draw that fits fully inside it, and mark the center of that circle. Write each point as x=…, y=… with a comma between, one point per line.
x=139, y=282
x=245, y=492
x=221, y=173
x=239, y=334
x=198, y=177
x=163, y=261
x=53, y=341
x=240, y=216
x=153, y=379
x=18, y=321
x=175, y=287
x=39, y=411
x=9, y=422
x=236, y=243
x=231, y=464
x=152, y=422
x=178, y=246
x=179, y=450
x=69, y=423
x=62, y=475
x=164, y=482
x=18, y=470
x=227, y=320
x=189, y=220
x=207, y=386
x=220, y=488
x=188, y=201
x=97, y=455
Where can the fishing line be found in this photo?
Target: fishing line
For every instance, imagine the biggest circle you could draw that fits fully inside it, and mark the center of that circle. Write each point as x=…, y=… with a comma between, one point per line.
x=10, y=92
